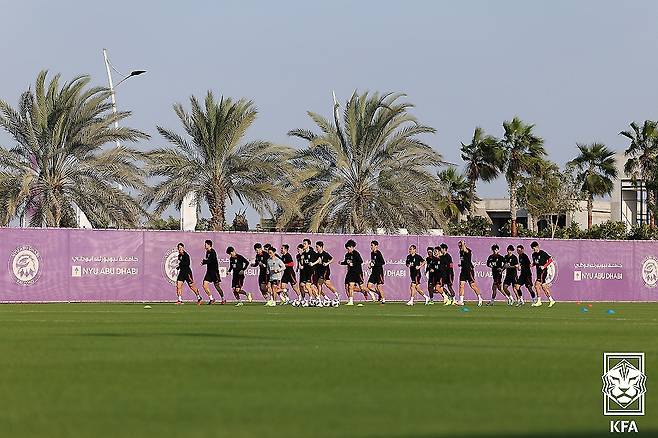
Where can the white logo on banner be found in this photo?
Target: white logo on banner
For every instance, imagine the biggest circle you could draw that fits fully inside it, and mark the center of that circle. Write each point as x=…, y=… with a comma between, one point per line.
x=624, y=384
x=169, y=265
x=24, y=263
x=551, y=272
x=650, y=271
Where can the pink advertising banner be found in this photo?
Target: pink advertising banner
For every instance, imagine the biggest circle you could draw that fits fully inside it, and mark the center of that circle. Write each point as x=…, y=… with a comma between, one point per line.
x=55, y=265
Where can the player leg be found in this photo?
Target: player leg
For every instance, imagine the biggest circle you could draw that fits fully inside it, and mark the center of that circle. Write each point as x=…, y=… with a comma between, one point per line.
x=193, y=288
x=179, y=292
x=332, y=288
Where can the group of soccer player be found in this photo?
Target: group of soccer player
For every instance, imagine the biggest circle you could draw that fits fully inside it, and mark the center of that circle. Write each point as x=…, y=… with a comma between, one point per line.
x=277, y=274
x=507, y=271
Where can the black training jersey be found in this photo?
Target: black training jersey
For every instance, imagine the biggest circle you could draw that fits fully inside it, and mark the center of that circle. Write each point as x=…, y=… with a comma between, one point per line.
x=524, y=262
x=184, y=262
x=465, y=259
x=428, y=263
x=290, y=264
x=299, y=260
x=324, y=257
x=211, y=262
x=414, y=262
x=308, y=257
x=353, y=261
x=237, y=264
x=377, y=259
x=540, y=258
x=261, y=262
x=446, y=262
x=512, y=262
x=433, y=264
x=496, y=263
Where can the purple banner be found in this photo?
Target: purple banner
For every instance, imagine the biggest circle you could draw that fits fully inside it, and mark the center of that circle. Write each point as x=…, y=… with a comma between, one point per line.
x=42, y=265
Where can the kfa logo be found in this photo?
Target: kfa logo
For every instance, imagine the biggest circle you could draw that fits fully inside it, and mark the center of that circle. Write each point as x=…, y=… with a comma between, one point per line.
x=551, y=272
x=24, y=264
x=650, y=271
x=624, y=384
x=170, y=265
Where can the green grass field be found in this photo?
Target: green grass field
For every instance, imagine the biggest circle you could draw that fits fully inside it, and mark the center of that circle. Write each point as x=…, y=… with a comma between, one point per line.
x=118, y=370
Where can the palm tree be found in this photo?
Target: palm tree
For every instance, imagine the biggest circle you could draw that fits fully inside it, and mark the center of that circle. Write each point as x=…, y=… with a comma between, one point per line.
x=595, y=170
x=214, y=164
x=483, y=158
x=642, y=163
x=59, y=161
x=460, y=195
x=371, y=172
x=522, y=149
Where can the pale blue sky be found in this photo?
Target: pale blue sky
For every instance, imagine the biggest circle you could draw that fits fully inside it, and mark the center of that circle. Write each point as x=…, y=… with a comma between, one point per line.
x=579, y=70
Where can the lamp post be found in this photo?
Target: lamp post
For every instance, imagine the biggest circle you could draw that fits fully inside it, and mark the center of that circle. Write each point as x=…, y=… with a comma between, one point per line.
x=108, y=65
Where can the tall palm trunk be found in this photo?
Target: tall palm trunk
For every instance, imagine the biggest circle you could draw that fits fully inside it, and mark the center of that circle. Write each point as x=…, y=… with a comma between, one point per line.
x=513, y=205
x=217, y=206
x=471, y=199
x=651, y=204
x=590, y=208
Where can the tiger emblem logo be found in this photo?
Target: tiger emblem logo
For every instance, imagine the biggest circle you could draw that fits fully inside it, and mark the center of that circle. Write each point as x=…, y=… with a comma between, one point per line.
x=25, y=265
x=623, y=384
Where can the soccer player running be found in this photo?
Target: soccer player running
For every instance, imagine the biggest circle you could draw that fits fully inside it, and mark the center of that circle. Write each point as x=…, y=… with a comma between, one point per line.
x=185, y=275
x=415, y=264
x=289, y=273
x=261, y=261
x=212, y=273
x=323, y=272
x=433, y=263
x=275, y=268
x=496, y=262
x=525, y=276
x=300, y=268
x=542, y=260
x=237, y=265
x=307, y=271
x=467, y=273
x=446, y=274
x=354, y=275
x=376, y=279
x=510, y=263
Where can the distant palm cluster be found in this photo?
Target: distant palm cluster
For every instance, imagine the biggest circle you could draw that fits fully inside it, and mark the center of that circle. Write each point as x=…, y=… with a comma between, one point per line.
x=367, y=168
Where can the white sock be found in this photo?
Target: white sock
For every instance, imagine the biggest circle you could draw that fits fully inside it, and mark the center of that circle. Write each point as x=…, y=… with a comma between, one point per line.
x=210, y=297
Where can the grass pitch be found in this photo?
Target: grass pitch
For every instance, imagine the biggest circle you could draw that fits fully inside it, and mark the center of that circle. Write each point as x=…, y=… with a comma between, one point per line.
x=111, y=370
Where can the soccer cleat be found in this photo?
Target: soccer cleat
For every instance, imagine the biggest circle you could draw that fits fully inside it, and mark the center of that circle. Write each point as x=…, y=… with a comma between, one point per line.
x=427, y=300
x=410, y=303
x=479, y=301
x=430, y=303
x=551, y=303
x=239, y=303
x=178, y=303
x=211, y=302
x=249, y=298
x=490, y=303
x=448, y=302
x=223, y=302
x=537, y=304
x=199, y=301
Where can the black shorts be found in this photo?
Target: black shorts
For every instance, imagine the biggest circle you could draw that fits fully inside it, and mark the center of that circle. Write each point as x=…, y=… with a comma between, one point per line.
x=432, y=280
x=376, y=276
x=275, y=282
x=212, y=277
x=262, y=278
x=510, y=278
x=497, y=278
x=525, y=279
x=185, y=276
x=446, y=278
x=289, y=278
x=304, y=276
x=415, y=277
x=354, y=277
x=237, y=282
x=322, y=276
x=467, y=275
x=541, y=275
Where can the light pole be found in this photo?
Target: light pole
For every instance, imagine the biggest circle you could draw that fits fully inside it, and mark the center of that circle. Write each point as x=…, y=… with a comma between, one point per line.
x=108, y=65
